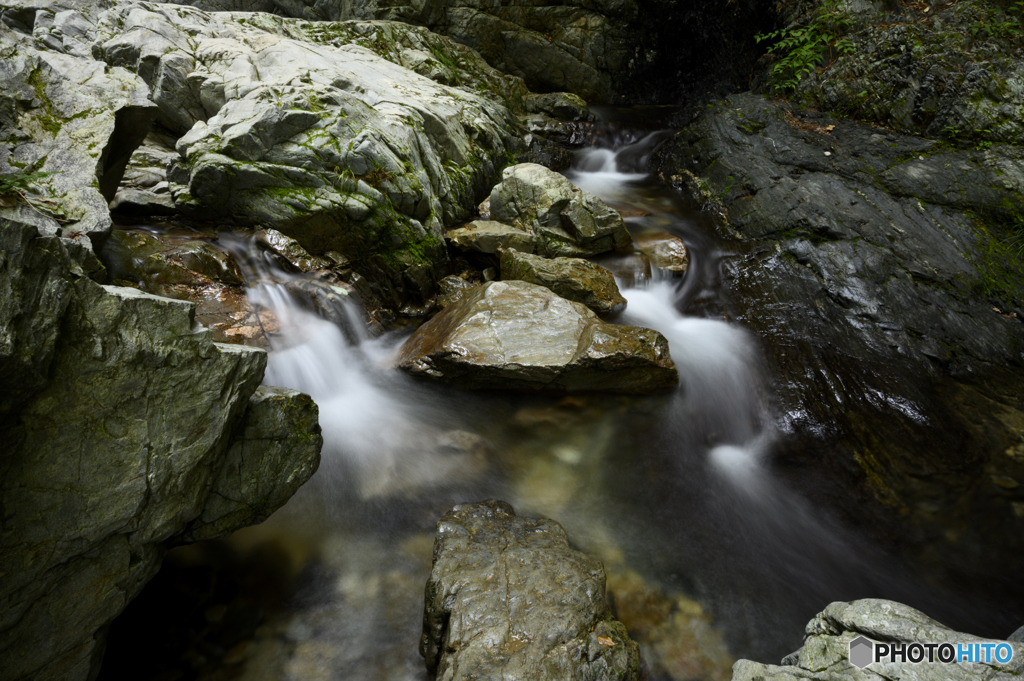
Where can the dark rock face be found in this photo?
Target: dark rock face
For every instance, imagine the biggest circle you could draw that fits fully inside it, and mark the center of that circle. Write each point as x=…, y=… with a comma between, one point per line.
x=507, y=598
x=120, y=419
x=825, y=652
x=873, y=267
x=519, y=336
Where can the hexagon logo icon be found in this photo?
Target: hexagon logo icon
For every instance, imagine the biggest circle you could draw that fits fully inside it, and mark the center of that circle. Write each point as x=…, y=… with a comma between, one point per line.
x=862, y=652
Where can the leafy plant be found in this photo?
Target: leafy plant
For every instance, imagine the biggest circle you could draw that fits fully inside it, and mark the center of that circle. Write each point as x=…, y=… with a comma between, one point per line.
x=1006, y=24
x=19, y=182
x=802, y=48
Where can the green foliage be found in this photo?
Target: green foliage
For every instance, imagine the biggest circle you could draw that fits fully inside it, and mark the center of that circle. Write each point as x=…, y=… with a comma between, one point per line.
x=802, y=48
x=19, y=182
x=1007, y=24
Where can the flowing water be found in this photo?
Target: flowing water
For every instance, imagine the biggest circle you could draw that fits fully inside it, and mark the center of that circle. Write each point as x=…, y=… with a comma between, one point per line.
x=677, y=494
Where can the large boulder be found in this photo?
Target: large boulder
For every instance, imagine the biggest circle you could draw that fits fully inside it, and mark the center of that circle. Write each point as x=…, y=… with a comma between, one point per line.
x=572, y=45
x=507, y=598
x=572, y=278
x=563, y=219
x=299, y=126
x=69, y=120
x=124, y=426
x=519, y=336
x=825, y=654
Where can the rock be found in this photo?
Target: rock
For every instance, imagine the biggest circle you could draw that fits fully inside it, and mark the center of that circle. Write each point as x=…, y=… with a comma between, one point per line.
x=451, y=288
x=678, y=639
x=565, y=220
x=577, y=46
x=825, y=652
x=69, y=115
x=664, y=250
x=160, y=261
x=561, y=105
x=941, y=75
x=207, y=260
x=290, y=251
x=1017, y=636
x=488, y=236
x=571, y=278
x=515, y=335
x=117, y=430
x=136, y=202
x=277, y=449
x=507, y=598
x=299, y=126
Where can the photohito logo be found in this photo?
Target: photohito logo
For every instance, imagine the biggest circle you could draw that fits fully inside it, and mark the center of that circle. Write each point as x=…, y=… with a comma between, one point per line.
x=864, y=651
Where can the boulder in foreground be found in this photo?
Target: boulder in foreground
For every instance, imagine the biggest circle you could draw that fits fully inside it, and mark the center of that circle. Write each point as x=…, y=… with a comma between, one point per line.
x=508, y=599
x=519, y=336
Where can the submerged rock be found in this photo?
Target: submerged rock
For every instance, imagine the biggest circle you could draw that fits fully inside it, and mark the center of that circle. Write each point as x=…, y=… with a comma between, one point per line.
x=507, y=598
x=572, y=278
x=118, y=413
x=564, y=220
x=664, y=250
x=519, y=336
x=826, y=649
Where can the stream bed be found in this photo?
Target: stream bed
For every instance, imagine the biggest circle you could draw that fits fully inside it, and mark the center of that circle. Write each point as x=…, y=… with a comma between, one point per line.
x=714, y=549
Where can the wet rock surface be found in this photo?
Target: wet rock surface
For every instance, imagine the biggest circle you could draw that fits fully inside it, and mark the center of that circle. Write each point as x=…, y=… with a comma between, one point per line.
x=571, y=278
x=117, y=432
x=872, y=265
x=508, y=598
x=825, y=651
x=519, y=336
x=563, y=219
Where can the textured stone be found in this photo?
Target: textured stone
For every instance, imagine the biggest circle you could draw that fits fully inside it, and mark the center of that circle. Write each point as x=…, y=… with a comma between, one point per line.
x=572, y=278
x=67, y=114
x=824, y=654
x=298, y=125
x=507, y=598
x=277, y=449
x=565, y=220
x=515, y=335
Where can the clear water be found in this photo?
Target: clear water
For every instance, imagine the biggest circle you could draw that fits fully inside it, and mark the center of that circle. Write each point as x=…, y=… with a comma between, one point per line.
x=679, y=489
